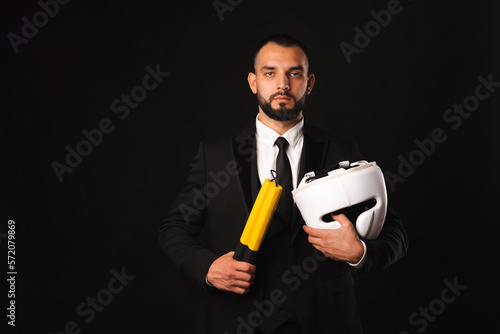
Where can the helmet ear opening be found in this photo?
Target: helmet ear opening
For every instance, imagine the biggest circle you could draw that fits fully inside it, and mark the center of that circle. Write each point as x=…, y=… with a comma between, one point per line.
x=354, y=189
x=352, y=212
x=327, y=218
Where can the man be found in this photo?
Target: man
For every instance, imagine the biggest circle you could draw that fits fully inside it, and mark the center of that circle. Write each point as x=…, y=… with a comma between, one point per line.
x=301, y=281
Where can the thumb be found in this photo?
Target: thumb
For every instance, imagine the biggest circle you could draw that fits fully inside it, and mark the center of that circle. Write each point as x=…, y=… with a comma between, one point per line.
x=341, y=219
x=229, y=255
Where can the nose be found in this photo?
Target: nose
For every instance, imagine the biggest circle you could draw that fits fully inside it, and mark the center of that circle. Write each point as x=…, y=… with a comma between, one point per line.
x=283, y=82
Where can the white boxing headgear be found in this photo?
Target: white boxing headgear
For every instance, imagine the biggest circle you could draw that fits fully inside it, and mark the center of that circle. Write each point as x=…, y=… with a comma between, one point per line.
x=357, y=186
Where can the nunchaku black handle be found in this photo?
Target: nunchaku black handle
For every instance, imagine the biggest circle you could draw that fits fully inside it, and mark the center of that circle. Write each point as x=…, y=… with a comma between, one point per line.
x=245, y=254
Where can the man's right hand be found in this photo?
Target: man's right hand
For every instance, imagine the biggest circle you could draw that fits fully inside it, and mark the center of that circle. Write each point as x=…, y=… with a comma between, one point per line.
x=228, y=274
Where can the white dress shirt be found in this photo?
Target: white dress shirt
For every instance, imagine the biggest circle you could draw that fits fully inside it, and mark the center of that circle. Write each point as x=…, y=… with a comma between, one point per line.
x=267, y=152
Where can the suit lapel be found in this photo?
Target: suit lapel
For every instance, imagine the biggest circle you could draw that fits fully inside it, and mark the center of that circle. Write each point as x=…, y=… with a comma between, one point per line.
x=246, y=157
x=316, y=147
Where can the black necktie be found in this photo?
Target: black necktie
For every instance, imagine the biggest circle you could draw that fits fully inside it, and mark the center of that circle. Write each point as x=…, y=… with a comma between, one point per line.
x=284, y=171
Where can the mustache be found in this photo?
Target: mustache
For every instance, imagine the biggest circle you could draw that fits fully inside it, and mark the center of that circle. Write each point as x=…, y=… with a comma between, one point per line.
x=281, y=94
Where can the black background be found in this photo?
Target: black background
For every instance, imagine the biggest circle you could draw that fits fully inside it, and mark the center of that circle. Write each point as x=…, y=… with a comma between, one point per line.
x=105, y=214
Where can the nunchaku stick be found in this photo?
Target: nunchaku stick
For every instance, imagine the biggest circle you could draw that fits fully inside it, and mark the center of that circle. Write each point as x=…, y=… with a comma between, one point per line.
x=258, y=221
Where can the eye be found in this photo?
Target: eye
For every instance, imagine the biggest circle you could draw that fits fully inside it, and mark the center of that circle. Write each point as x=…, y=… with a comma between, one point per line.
x=268, y=74
x=296, y=74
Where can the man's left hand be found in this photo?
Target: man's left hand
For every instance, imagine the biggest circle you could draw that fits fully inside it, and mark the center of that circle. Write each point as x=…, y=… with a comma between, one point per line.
x=341, y=244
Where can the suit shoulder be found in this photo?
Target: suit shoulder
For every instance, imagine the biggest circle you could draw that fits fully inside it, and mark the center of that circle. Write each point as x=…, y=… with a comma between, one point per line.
x=216, y=142
x=322, y=134
x=222, y=141
x=216, y=150
x=336, y=146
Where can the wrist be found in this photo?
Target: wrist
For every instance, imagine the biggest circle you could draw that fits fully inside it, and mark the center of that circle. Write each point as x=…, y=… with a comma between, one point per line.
x=358, y=254
x=207, y=282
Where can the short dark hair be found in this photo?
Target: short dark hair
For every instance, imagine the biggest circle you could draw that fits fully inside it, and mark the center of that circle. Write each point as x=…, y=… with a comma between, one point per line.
x=281, y=40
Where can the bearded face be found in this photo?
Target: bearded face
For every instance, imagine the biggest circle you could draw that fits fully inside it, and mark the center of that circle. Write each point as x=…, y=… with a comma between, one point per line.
x=281, y=113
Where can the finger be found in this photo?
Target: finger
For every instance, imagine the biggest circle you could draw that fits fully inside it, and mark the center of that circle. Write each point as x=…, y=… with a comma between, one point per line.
x=318, y=247
x=245, y=267
x=242, y=284
x=314, y=240
x=319, y=233
x=314, y=232
x=306, y=229
x=240, y=287
x=238, y=290
x=341, y=218
x=244, y=277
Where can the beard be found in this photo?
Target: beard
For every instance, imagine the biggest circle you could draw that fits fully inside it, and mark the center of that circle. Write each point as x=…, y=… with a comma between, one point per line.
x=282, y=113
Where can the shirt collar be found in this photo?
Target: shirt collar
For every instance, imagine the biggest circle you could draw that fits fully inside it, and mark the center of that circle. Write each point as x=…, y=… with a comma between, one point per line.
x=268, y=136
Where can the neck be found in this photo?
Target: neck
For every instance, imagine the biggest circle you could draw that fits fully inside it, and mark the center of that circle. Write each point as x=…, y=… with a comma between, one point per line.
x=279, y=126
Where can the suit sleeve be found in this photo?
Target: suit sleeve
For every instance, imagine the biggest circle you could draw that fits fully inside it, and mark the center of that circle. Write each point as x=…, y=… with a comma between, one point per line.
x=390, y=246
x=178, y=233
x=392, y=243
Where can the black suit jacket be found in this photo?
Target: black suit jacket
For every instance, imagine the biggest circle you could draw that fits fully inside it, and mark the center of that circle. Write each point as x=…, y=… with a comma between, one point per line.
x=209, y=215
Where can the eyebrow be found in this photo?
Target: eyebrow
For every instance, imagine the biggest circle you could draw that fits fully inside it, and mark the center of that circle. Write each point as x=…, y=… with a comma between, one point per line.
x=267, y=67
x=300, y=68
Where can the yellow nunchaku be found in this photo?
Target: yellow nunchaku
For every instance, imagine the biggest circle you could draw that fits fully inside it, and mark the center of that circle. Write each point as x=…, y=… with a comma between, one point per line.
x=258, y=221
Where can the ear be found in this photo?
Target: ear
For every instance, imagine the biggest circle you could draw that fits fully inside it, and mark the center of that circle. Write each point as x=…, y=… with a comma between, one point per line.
x=252, y=82
x=310, y=83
